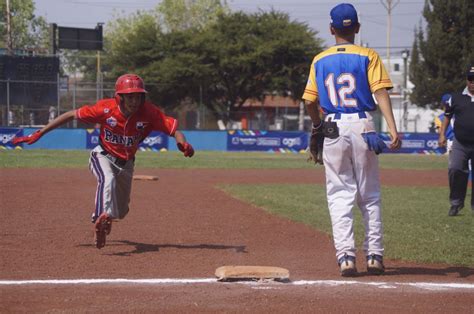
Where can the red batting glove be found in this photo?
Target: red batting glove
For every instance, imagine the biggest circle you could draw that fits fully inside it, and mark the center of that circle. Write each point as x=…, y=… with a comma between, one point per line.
x=29, y=139
x=186, y=148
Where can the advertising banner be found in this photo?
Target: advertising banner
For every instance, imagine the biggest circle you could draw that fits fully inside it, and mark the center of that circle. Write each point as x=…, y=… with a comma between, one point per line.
x=154, y=142
x=416, y=143
x=243, y=140
x=92, y=138
x=6, y=136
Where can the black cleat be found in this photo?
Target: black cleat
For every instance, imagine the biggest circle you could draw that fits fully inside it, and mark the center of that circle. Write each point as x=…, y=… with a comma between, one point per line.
x=454, y=210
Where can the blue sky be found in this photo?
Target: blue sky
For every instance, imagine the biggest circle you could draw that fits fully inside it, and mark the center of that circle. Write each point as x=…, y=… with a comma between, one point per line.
x=406, y=15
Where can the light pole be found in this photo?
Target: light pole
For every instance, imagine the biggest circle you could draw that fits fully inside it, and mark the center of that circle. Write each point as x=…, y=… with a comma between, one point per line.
x=405, y=54
x=9, y=29
x=389, y=5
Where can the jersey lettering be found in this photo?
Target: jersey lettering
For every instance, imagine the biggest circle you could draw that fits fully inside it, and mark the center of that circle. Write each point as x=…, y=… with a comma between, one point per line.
x=344, y=77
x=348, y=87
x=346, y=90
x=127, y=141
x=121, y=135
x=329, y=82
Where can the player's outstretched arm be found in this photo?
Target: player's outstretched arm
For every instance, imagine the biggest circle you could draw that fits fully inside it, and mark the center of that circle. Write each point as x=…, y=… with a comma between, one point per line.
x=385, y=105
x=183, y=146
x=32, y=138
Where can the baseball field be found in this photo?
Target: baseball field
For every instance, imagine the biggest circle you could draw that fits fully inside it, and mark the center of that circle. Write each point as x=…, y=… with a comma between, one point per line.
x=221, y=208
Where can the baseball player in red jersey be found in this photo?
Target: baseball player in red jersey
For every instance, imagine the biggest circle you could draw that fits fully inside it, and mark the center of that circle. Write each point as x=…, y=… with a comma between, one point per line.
x=124, y=121
x=343, y=81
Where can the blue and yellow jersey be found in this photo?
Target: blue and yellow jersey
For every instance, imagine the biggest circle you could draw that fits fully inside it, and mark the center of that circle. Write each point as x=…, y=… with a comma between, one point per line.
x=449, y=130
x=344, y=77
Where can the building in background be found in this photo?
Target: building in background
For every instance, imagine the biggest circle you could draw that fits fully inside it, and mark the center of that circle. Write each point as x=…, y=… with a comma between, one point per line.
x=409, y=117
x=275, y=113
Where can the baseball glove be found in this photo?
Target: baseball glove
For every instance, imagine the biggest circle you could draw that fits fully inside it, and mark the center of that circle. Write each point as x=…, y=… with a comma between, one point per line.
x=374, y=142
x=316, y=143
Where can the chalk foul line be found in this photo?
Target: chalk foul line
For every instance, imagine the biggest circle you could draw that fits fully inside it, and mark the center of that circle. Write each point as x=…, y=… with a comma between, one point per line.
x=191, y=281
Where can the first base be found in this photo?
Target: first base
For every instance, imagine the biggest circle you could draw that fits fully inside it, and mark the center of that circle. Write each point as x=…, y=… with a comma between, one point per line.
x=230, y=273
x=145, y=177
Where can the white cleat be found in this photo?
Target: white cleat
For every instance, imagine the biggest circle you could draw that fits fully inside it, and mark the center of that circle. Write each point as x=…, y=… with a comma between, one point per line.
x=375, y=264
x=347, y=266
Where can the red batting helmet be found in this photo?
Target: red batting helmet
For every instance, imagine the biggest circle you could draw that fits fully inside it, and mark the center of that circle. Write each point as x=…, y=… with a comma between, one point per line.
x=129, y=83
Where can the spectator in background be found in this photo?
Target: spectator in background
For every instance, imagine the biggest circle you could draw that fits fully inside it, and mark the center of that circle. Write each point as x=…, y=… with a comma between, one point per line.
x=11, y=118
x=32, y=118
x=52, y=113
x=439, y=121
x=461, y=108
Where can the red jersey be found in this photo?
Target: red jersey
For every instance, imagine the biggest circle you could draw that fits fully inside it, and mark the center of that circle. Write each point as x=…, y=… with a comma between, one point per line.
x=121, y=135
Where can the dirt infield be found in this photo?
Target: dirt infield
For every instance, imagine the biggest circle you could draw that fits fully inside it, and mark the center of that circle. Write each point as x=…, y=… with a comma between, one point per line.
x=182, y=227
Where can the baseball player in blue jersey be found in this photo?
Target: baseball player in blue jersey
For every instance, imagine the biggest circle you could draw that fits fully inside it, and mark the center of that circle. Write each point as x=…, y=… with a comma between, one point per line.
x=439, y=121
x=343, y=81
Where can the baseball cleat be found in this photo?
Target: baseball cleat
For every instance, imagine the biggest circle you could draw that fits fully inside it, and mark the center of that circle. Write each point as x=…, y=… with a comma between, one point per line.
x=347, y=266
x=454, y=210
x=103, y=226
x=375, y=264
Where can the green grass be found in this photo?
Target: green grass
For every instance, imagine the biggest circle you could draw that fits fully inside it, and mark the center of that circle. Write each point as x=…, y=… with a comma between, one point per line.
x=202, y=159
x=44, y=158
x=169, y=160
x=416, y=229
x=413, y=161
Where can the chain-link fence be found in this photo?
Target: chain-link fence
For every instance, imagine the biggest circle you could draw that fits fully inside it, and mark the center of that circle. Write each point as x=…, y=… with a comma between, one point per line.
x=35, y=103
x=23, y=105
x=31, y=103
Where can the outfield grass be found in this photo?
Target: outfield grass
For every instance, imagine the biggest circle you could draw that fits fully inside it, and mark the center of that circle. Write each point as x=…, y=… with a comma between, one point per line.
x=203, y=160
x=417, y=227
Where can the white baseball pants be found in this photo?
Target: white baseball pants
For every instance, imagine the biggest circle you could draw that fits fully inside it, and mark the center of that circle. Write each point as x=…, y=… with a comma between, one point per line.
x=114, y=185
x=352, y=178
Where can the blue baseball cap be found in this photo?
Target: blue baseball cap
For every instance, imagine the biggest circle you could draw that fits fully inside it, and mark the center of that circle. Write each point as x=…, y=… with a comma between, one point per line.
x=343, y=15
x=445, y=98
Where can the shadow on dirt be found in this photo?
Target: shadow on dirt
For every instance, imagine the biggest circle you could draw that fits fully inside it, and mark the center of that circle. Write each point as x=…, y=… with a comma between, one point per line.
x=462, y=272
x=146, y=248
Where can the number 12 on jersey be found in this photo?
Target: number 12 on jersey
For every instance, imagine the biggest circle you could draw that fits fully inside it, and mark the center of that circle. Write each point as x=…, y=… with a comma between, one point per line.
x=338, y=97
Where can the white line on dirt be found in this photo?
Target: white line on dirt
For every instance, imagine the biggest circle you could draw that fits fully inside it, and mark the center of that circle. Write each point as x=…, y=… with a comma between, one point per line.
x=107, y=281
x=184, y=281
x=388, y=285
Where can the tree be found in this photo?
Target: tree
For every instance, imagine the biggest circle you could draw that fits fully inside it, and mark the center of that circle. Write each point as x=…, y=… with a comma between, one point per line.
x=29, y=32
x=440, y=60
x=240, y=56
x=80, y=61
x=126, y=40
x=179, y=15
x=254, y=55
x=156, y=45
